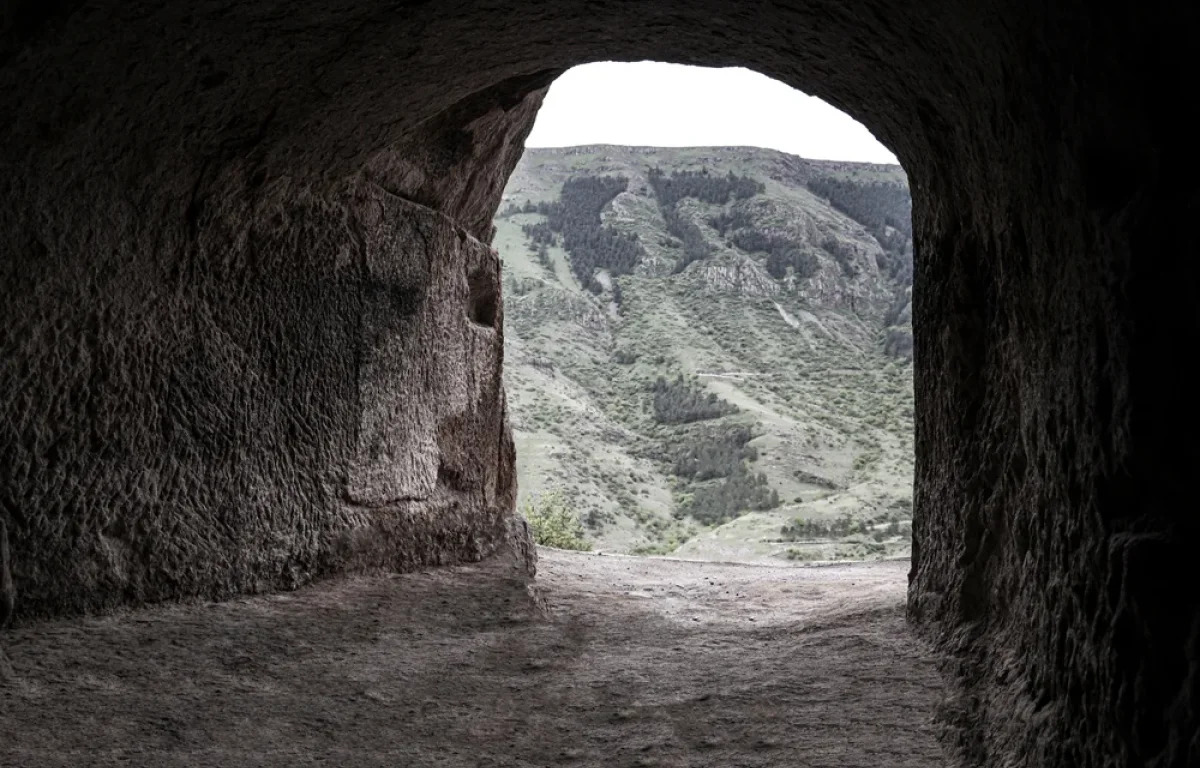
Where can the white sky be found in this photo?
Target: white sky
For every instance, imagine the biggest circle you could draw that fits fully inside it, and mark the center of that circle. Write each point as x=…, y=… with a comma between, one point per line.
x=670, y=105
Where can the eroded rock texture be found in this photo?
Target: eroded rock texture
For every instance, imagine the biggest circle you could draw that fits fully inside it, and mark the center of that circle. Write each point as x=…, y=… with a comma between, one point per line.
x=315, y=386
x=250, y=331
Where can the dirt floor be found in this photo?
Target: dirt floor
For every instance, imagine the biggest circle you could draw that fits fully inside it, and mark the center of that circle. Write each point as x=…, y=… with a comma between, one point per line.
x=606, y=661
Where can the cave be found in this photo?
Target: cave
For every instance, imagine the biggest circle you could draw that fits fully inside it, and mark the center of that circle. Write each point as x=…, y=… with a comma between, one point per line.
x=252, y=330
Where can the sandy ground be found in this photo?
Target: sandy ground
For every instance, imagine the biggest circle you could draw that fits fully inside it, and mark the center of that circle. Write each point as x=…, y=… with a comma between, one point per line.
x=607, y=661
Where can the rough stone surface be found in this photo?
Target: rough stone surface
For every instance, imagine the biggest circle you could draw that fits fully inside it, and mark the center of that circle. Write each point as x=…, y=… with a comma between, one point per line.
x=8, y=592
x=317, y=388
x=606, y=661
x=210, y=280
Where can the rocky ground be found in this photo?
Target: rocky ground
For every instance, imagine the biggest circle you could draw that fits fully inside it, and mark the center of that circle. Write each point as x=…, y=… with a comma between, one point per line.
x=606, y=661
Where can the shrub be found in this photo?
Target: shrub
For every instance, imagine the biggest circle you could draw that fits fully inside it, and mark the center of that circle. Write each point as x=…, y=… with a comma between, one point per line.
x=554, y=523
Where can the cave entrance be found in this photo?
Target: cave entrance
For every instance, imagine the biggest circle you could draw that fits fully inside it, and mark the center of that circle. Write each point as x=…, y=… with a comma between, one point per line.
x=708, y=340
x=206, y=331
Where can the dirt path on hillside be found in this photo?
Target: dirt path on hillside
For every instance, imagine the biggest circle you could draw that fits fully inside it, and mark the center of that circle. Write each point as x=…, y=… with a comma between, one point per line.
x=608, y=661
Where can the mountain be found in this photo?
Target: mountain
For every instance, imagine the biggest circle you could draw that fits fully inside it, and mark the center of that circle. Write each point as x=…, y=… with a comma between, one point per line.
x=708, y=349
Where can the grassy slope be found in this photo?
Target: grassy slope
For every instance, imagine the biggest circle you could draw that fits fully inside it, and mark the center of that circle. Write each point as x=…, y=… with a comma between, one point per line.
x=805, y=370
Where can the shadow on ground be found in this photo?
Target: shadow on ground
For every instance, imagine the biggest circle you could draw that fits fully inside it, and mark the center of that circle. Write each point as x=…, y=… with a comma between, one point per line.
x=607, y=661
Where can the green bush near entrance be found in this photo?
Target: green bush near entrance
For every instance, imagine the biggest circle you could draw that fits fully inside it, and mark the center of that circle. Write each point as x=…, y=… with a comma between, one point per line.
x=554, y=523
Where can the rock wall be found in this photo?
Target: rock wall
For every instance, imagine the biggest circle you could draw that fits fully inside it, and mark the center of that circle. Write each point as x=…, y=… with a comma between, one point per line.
x=249, y=337
x=315, y=390
x=284, y=382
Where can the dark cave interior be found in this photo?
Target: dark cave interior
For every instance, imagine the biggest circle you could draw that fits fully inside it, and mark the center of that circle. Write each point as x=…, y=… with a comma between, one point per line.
x=241, y=243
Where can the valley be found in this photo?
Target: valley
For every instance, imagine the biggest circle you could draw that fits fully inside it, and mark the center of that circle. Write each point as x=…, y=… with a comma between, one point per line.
x=708, y=350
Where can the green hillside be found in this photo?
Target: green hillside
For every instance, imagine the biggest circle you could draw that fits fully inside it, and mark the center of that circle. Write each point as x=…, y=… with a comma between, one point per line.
x=707, y=349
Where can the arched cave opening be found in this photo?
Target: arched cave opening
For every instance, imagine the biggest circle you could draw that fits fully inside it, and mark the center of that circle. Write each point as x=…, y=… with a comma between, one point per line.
x=218, y=379
x=708, y=337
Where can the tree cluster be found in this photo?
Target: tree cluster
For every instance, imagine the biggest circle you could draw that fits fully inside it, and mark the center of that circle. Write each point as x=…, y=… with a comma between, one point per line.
x=800, y=529
x=782, y=252
x=726, y=221
x=738, y=493
x=874, y=205
x=884, y=208
x=512, y=208
x=714, y=453
x=695, y=247
x=681, y=402
x=714, y=461
x=702, y=186
x=539, y=233
x=591, y=244
x=670, y=189
x=543, y=257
